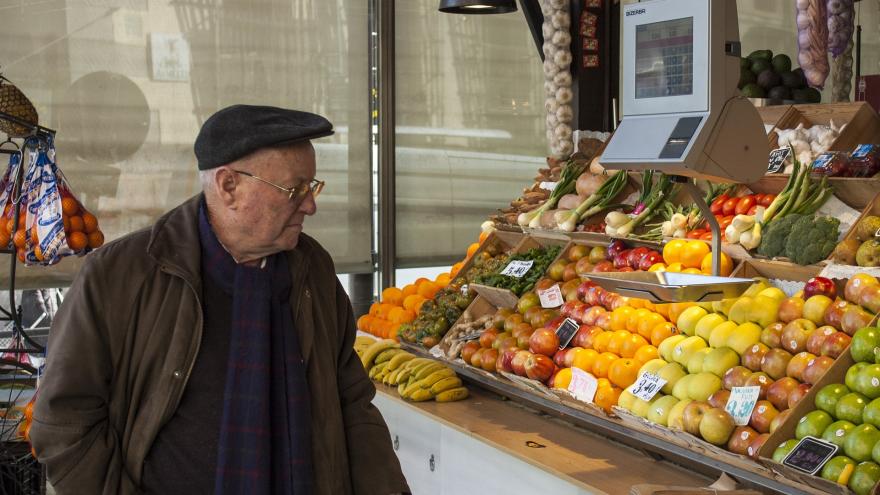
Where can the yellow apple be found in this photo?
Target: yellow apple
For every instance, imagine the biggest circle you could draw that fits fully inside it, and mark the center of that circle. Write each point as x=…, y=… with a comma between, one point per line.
x=707, y=323
x=665, y=348
x=672, y=373
x=640, y=408
x=675, y=420
x=719, y=360
x=659, y=411
x=719, y=335
x=695, y=364
x=773, y=292
x=626, y=400
x=745, y=336
x=685, y=349
x=652, y=366
x=680, y=390
x=702, y=385
x=764, y=310
x=687, y=320
x=739, y=312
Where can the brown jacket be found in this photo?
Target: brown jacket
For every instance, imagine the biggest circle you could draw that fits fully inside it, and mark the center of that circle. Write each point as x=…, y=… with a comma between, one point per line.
x=125, y=340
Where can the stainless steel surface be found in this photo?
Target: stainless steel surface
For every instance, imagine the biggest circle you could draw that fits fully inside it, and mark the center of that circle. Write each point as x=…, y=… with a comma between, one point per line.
x=697, y=196
x=672, y=287
x=386, y=125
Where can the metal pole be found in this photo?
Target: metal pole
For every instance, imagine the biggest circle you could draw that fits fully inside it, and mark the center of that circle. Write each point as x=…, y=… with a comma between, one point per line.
x=697, y=196
x=387, y=175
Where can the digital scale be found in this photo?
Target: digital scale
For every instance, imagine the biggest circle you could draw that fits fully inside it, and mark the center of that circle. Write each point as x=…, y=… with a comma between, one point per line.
x=683, y=116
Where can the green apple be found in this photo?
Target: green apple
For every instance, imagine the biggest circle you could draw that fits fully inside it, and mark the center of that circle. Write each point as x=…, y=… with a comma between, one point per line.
x=672, y=373
x=716, y=426
x=763, y=310
x=707, y=323
x=626, y=400
x=827, y=397
x=850, y=407
x=719, y=360
x=773, y=293
x=852, y=373
x=863, y=479
x=680, y=390
x=695, y=363
x=675, y=420
x=640, y=407
x=863, y=343
x=660, y=409
x=859, y=442
x=685, y=349
x=745, y=336
x=666, y=347
x=721, y=333
x=702, y=385
x=837, y=431
x=832, y=469
x=783, y=449
x=813, y=424
x=687, y=320
x=868, y=381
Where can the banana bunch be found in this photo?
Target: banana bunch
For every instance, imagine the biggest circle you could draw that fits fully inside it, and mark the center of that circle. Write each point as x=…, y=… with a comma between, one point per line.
x=417, y=379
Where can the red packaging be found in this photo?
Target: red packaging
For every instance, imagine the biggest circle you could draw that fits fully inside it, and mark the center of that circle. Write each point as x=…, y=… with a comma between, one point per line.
x=864, y=161
x=831, y=163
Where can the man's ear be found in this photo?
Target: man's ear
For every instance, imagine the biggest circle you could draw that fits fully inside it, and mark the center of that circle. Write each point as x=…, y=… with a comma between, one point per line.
x=226, y=184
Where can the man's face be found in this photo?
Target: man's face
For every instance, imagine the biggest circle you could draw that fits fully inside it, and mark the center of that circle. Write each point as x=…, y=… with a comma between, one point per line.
x=268, y=218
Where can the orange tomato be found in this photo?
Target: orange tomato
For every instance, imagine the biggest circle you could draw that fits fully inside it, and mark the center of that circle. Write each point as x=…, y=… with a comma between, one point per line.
x=456, y=268
x=726, y=264
x=615, y=344
x=585, y=359
x=603, y=364
x=631, y=345
x=623, y=372
x=392, y=295
x=374, y=309
x=657, y=267
x=607, y=397
x=692, y=271
x=646, y=353
x=662, y=331
x=696, y=233
x=672, y=250
x=693, y=252
x=675, y=267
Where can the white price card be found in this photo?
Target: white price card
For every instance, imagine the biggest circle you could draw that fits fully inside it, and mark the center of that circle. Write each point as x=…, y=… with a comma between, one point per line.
x=741, y=403
x=551, y=298
x=518, y=268
x=583, y=385
x=464, y=290
x=549, y=186
x=647, y=386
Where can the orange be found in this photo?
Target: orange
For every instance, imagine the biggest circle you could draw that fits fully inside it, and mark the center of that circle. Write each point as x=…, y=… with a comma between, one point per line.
x=76, y=224
x=396, y=315
x=66, y=220
x=662, y=331
x=96, y=239
x=21, y=255
x=472, y=249
x=10, y=226
x=410, y=301
x=693, y=252
x=69, y=206
x=726, y=265
x=563, y=378
x=374, y=309
x=631, y=346
x=384, y=309
x=692, y=271
x=38, y=253
x=363, y=323
x=34, y=238
x=675, y=309
x=90, y=223
x=392, y=331
x=408, y=290
x=443, y=279
x=635, y=303
x=392, y=295
x=456, y=268
x=484, y=235
x=619, y=317
x=674, y=267
x=672, y=250
x=632, y=323
x=601, y=340
x=427, y=289
x=603, y=364
x=584, y=359
x=20, y=239
x=647, y=324
x=615, y=344
x=607, y=397
x=662, y=310
x=646, y=353
x=4, y=239
x=603, y=383
x=623, y=372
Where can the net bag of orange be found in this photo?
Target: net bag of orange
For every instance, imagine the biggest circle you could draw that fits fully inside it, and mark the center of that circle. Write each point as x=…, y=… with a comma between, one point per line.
x=9, y=197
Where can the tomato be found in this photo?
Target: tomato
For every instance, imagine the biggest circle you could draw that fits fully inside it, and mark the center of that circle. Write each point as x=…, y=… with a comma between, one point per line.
x=752, y=210
x=707, y=236
x=744, y=204
x=724, y=222
x=718, y=204
x=730, y=206
x=758, y=198
x=767, y=199
x=696, y=233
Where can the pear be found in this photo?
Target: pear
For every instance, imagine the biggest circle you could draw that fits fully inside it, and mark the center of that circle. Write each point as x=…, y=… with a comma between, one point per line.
x=741, y=309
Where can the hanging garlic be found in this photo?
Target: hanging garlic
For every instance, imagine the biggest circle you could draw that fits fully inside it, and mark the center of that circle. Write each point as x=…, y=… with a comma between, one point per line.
x=562, y=79
x=561, y=20
x=551, y=105
x=548, y=49
x=562, y=59
x=564, y=113
x=563, y=132
x=552, y=121
x=561, y=38
x=547, y=29
x=557, y=4
x=563, y=96
x=550, y=88
x=550, y=68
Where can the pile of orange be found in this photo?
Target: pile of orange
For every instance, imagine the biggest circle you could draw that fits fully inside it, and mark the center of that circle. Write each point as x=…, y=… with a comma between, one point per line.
x=691, y=256
x=80, y=228
x=399, y=306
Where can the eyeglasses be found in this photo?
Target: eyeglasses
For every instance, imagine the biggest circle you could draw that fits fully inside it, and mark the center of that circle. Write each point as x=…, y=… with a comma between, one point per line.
x=293, y=193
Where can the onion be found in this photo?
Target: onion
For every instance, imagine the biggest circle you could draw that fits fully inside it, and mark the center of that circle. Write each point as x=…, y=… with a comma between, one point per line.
x=548, y=220
x=596, y=167
x=570, y=201
x=588, y=183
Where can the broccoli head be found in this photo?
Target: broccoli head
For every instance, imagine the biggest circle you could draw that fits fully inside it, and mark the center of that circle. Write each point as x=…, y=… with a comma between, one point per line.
x=774, y=236
x=812, y=239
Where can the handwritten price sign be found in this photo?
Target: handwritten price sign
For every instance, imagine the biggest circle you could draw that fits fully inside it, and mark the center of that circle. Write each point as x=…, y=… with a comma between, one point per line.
x=518, y=268
x=647, y=386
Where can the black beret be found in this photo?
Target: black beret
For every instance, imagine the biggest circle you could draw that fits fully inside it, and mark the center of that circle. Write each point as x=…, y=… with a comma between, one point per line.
x=239, y=130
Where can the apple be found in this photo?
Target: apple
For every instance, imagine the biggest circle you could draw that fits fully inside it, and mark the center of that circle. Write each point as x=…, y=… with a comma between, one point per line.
x=650, y=260
x=692, y=416
x=672, y=373
x=597, y=254
x=835, y=344
x=641, y=408
x=855, y=318
x=505, y=360
x=721, y=333
x=468, y=350
x=780, y=390
x=621, y=260
x=556, y=270
x=755, y=446
x=718, y=361
x=487, y=338
x=660, y=409
x=798, y=365
x=634, y=257
x=764, y=310
x=779, y=420
x=814, y=342
x=746, y=335
x=798, y=394
x=489, y=358
x=735, y=377
x=591, y=315
x=869, y=298
x=815, y=307
x=816, y=368
x=675, y=420
x=505, y=343
x=703, y=385
x=578, y=251
x=775, y=362
x=716, y=426
x=603, y=321
x=667, y=347
x=760, y=379
x=771, y=336
x=680, y=390
x=834, y=313
x=751, y=359
x=603, y=266
x=569, y=273
x=590, y=294
x=518, y=363
x=539, y=367
x=685, y=349
x=615, y=247
x=762, y=415
x=584, y=336
x=522, y=341
x=865, y=344
x=790, y=309
x=855, y=284
x=795, y=334
x=559, y=357
x=706, y=324
x=719, y=398
x=820, y=286
x=740, y=440
x=567, y=308
x=695, y=363
x=688, y=319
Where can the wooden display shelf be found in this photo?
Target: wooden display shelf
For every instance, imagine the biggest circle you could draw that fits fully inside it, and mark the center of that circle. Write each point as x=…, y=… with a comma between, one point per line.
x=855, y=192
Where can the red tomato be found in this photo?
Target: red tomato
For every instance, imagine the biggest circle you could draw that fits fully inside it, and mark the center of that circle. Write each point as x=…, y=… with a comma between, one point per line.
x=767, y=199
x=707, y=236
x=758, y=198
x=725, y=222
x=696, y=233
x=752, y=210
x=730, y=206
x=718, y=204
x=744, y=204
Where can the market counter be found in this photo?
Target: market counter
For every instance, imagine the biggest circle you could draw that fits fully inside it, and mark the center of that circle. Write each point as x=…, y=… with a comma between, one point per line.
x=486, y=444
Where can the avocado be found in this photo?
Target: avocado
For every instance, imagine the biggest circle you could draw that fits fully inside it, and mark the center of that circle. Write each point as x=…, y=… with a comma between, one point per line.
x=752, y=90
x=746, y=76
x=790, y=80
x=761, y=54
x=799, y=95
x=779, y=93
x=781, y=63
x=768, y=79
x=744, y=63
x=813, y=95
x=759, y=65
x=803, y=79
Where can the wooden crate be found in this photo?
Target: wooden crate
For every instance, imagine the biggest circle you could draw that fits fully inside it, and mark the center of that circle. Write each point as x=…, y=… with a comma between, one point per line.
x=478, y=308
x=503, y=240
x=856, y=192
x=776, y=270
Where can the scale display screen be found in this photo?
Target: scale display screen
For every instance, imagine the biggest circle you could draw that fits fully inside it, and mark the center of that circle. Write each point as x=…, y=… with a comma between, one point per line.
x=664, y=58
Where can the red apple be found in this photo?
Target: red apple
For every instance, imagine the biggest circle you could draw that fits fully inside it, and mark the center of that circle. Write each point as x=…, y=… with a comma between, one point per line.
x=740, y=439
x=577, y=314
x=834, y=313
x=814, y=343
x=592, y=314
x=518, y=363
x=763, y=413
x=604, y=321
x=539, y=367
x=820, y=285
x=550, y=381
x=760, y=379
x=756, y=445
x=771, y=336
x=505, y=360
x=834, y=345
x=559, y=356
x=468, y=350
x=487, y=338
x=569, y=357
x=816, y=368
x=854, y=319
x=634, y=258
x=650, y=260
x=751, y=359
x=591, y=295
x=477, y=358
x=795, y=396
x=568, y=307
x=490, y=356
x=544, y=341
x=583, y=287
x=615, y=247
x=869, y=298
x=603, y=266
x=798, y=365
x=584, y=336
x=735, y=377
x=795, y=334
x=778, y=420
x=583, y=267
x=775, y=362
x=719, y=398
x=693, y=414
x=522, y=341
x=778, y=393
x=621, y=259
x=791, y=309
x=505, y=343
x=854, y=286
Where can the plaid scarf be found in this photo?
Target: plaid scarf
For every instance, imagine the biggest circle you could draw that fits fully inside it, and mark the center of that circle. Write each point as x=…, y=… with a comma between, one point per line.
x=265, y=437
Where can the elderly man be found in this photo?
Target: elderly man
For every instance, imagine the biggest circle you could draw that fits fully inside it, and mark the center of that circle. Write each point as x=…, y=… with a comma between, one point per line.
x=212, y=353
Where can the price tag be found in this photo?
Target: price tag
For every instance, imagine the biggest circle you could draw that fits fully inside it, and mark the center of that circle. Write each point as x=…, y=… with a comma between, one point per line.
x=550, y=186
x=464, y=290
x=583, y=385
x=810, y=454
x=518, y=268
x=741, y=403
x=647, y=386
x=550, y=298
x=776, y=163
x=566, y=332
